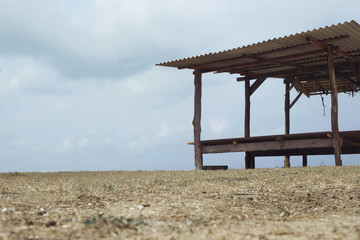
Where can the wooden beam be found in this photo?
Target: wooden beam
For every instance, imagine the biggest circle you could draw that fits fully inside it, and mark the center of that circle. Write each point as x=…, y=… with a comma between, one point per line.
x=240, y=79
x=319, y=86
x=287, y=118
x=299, y=87
x=269, y=146
x=348, y=81
x=289, y=72
x=266, y=61
x=282, y=63
x=346, y=55
x=334, y=107
x=256, y=85
x=337, y=50
x=295, y=100
x=197, y=120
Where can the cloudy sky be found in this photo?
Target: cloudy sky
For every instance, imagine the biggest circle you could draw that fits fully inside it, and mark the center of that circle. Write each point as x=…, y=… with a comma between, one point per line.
x=79, y=89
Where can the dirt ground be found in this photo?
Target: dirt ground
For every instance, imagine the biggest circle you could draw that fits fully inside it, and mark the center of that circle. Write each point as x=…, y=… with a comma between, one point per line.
x=295, y=203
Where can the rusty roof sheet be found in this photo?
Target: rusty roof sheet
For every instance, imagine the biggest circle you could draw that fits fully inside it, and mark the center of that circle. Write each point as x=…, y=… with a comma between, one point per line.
x=294, y=56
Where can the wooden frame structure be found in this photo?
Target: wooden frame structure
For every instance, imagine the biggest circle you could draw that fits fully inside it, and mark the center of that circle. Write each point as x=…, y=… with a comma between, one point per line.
x=322, y=61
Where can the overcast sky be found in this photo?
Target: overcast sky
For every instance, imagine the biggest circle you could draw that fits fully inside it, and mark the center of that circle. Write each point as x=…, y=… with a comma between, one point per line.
x=79, y=89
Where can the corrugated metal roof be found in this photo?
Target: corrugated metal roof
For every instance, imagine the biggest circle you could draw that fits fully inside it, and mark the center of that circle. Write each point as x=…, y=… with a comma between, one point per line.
x=290, y=56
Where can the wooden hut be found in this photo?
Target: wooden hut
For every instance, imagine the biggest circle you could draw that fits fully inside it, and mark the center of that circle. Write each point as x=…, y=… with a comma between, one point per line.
x=322, y=61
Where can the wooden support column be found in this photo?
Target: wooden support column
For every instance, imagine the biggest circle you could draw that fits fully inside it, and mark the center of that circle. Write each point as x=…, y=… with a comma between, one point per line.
x=287, y=118
x=304, y=160
x=247, y=109
x=249, y=159
x=197, y=120
x=334, y=106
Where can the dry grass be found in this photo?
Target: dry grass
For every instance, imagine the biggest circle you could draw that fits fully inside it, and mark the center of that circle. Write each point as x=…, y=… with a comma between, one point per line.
x=296, y=203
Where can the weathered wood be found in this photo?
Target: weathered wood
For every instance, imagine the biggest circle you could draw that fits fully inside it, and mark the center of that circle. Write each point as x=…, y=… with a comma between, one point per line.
x=337, y=50
x=268, y=146
x=256, y=85
x=288, y=72
x=266, y=61
x=197, y=120
x=217, y=167
x=287, y=108
x=287, y=118
x=295, y=100
x=345, y=149
x=252, y=161
x=334, y=107
x=350, y=135
x=248, y=159
x=300, y=87
x=304, y=160
x=247, y=109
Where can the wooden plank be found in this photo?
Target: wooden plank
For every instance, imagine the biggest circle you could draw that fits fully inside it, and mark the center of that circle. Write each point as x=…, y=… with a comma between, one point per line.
x=299, y=87
x=295, y=71
x=197, y=120
x=308, y=151
x=346, y=55
x=334, y=107
x=337, y=50
x=318, y=84
x=353, y=135
x=295, y=100
x=269, y=146
x=287, y=118
x=256, y=85
x=265, y=61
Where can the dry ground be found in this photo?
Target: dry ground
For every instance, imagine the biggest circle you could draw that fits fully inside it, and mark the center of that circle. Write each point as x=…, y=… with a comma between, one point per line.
x=296, y=203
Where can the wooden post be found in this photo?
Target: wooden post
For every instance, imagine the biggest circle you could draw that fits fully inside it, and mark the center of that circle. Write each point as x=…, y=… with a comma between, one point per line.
x=287, y=117
x=334, y=106
x=247, y=109
x=304, y=160
x=249, y=159
x=197, y=120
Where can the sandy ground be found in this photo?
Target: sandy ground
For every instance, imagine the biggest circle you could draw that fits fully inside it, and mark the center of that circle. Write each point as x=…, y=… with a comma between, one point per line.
x=296, y=203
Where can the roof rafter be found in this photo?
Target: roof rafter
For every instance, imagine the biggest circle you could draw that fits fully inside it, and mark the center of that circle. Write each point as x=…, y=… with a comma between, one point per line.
x=337, y=50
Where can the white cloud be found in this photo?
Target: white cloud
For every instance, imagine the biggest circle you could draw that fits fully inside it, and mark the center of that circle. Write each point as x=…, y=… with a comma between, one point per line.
x=109, y=140
x=83, y=142
x=18, y=142
x=65, y=146
x=14, y=82
x=165, y=131
x=218, y=125
x=60, y=105
x=135, y=86
x=140, y=144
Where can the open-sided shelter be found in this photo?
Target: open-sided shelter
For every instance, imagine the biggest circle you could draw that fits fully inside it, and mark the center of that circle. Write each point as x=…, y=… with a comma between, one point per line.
x=322, y=61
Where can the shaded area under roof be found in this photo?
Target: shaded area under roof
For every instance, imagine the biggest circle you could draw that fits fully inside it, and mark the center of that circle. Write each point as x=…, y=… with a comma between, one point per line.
x=299, y=58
